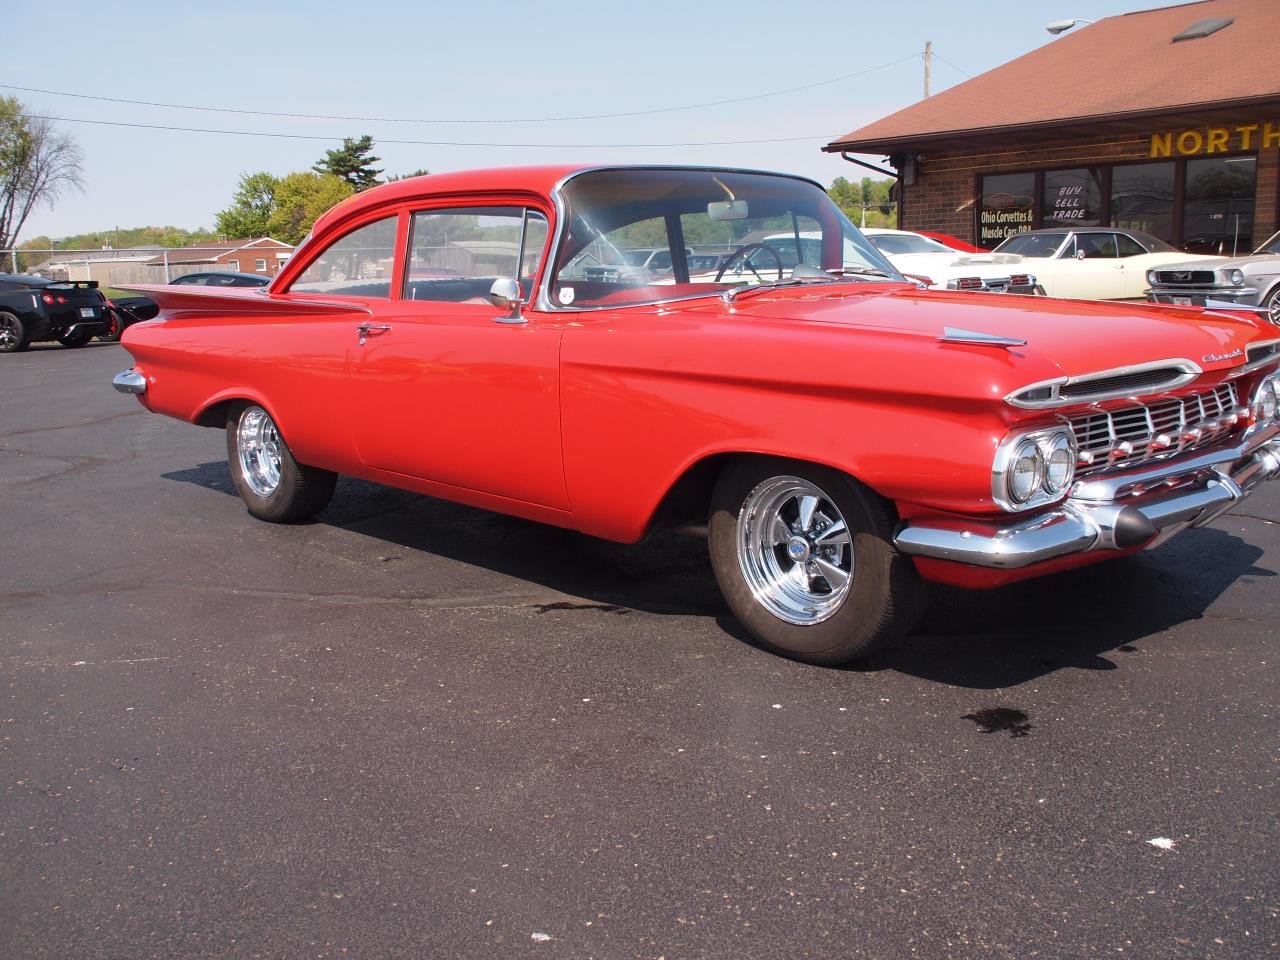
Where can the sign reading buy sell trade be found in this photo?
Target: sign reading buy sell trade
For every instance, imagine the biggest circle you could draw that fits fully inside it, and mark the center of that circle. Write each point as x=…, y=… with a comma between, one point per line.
x=1197, y=140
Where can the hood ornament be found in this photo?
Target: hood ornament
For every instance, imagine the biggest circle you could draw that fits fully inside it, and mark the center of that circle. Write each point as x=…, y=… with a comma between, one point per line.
x=976, y=337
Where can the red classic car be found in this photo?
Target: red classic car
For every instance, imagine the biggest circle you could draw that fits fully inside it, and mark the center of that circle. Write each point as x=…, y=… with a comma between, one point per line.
x=846, y=434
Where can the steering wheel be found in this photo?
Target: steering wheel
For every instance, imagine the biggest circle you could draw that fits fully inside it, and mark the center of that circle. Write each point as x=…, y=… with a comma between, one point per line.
x=741, y=254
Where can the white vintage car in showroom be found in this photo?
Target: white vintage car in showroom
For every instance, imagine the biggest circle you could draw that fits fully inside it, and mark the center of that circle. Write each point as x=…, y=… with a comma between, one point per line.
x=946, y=269
x=1087, y=263
x=1250, y=281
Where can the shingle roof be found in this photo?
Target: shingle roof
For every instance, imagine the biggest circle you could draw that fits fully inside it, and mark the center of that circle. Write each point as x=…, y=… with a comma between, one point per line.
x=1119, y=66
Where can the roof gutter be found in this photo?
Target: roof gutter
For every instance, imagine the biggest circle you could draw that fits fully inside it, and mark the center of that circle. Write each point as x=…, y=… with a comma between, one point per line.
x=892, y=174
x=915, y=141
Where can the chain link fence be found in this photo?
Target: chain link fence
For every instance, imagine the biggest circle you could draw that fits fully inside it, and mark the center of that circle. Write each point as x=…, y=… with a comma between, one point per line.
x=130, y=265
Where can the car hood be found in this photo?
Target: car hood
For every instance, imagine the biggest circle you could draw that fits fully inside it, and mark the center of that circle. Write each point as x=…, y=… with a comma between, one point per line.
x=1063, y=337
x=949, y=265
x=1220, y=263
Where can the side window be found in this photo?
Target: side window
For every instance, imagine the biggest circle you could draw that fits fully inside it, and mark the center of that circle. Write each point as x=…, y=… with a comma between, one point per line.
x=456, y=254
x=1129, y=247
x=356, y=265
x=1096, y=245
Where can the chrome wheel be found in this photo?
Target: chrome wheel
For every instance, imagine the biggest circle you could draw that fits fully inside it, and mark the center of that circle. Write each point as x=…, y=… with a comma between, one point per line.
x=1273, y=308
x=10, y=331
x=794, y=550
x=258, y=444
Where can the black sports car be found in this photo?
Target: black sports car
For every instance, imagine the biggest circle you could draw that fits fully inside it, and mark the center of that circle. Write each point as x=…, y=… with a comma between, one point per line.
x=72, y=312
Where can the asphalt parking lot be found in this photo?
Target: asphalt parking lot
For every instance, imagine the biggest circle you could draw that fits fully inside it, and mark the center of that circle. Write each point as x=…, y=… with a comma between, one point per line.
x=414, y=729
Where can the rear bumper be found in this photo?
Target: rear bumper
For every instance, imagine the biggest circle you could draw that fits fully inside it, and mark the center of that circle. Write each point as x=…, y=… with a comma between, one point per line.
x=1122, y=512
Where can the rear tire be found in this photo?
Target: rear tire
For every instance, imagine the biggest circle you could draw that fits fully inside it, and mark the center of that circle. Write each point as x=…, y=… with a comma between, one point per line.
x=76, y=339
x=115, y=327
x=804, y=556
x=14, y=337
x=272, y=484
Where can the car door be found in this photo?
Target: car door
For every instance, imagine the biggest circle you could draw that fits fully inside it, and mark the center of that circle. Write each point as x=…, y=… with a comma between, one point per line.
x=1089, y=268
x=444, y=386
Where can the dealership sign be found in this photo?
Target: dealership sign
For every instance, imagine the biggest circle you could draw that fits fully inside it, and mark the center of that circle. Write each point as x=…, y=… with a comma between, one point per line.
x=1189, y=143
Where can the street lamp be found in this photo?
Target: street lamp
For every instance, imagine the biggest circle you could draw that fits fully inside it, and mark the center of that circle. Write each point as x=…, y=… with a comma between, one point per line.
x=1062, y=26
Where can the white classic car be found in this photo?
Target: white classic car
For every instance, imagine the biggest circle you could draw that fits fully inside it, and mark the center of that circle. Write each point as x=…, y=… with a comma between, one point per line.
x=919, y=256
x=1086, y=263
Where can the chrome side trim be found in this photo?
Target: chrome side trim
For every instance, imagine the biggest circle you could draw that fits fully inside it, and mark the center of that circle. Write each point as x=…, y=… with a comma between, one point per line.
x=1205, y=489
x=1190, y=370
x=130, y=381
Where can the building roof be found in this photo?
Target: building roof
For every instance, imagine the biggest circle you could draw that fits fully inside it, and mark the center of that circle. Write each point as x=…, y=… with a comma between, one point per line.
x=1119, y=67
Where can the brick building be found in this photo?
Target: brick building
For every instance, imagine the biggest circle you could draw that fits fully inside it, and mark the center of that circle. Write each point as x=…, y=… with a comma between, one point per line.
x=263, y=256
x=1166, y=121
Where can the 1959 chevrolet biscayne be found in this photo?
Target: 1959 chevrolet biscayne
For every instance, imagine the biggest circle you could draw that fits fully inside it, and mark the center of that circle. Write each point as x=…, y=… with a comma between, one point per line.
x=845, y=434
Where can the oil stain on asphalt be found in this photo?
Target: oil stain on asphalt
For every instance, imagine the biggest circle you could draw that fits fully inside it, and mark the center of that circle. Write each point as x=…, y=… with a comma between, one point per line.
x=1000, y=719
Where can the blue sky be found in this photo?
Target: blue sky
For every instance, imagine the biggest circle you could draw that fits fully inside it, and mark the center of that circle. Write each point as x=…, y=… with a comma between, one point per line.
x=492, y=60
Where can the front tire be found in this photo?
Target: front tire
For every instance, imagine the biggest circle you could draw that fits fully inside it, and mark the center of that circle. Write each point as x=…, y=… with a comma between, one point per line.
x=272, y=484
x=1272, y=305
x=14, y=336
x=805, y=559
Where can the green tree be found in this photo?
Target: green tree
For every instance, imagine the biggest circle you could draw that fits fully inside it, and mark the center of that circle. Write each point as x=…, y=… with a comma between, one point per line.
x=405, y=176
x=37, y=165
x=299, y=199
x=251, y=207
x=353, y=162
x=867, y=195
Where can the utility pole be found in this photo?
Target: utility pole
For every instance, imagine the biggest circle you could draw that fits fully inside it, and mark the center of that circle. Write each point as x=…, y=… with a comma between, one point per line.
x=928, y=65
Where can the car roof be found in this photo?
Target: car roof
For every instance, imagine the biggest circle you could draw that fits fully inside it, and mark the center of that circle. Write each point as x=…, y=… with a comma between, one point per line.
x=541, y=180
x=27, y=279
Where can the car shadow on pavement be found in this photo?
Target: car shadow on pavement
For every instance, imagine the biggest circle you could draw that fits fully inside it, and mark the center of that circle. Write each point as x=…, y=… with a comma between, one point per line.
x=974, y=639
x=666, y=574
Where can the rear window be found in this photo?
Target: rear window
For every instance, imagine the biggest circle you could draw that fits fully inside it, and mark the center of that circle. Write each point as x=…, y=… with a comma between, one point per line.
x=1032, y=244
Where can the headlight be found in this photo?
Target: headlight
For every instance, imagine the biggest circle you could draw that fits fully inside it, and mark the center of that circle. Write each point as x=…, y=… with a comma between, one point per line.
x=1266, y=399
x=1151, y=278
x=1026, y=475
x=1060, y=463
x=1235, y=277
x=1033, y=468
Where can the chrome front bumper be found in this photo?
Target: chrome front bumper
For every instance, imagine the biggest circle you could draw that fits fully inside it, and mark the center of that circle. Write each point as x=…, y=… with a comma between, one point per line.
x=1137, y=508
x=130, y=381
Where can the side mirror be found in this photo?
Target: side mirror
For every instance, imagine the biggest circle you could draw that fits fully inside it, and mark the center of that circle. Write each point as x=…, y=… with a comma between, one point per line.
x=505, y=295
x=1079, y=254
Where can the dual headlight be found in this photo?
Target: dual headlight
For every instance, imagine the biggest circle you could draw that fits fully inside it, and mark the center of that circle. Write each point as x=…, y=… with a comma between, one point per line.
x=1265, y=404
x=1033, y=468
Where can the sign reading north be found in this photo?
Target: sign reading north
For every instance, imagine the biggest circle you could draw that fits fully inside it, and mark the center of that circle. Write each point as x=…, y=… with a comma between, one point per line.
x=1189, y=143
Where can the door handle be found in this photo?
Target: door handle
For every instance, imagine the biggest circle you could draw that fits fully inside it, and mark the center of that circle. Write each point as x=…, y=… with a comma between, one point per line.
x=367, y=330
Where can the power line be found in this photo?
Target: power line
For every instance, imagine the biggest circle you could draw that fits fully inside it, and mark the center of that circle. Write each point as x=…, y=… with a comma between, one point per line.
x=424, y=143
x=953, y=66
x=595, y=116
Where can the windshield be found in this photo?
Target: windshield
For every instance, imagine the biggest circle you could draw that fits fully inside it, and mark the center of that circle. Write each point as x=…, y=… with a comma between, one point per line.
x=1271, y=246
x=1032, y=244
x=897, y=243
x=712, y=231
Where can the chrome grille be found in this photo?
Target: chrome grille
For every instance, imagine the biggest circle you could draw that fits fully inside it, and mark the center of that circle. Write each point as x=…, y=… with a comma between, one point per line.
x=1114, y=439
x=1176, y=278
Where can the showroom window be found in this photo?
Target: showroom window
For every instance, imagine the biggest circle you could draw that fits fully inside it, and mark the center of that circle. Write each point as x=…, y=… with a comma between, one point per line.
x=1217, y=206
x=1072, y=198
x=1199, y=204
x=1142, y=198
x=1008, y=207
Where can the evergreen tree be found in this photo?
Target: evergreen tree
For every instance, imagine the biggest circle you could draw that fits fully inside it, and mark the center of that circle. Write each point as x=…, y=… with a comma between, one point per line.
x=353, y=162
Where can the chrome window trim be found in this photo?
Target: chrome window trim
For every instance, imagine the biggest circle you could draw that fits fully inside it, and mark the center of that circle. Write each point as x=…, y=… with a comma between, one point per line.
x=544, y=301
x=1190, y=370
